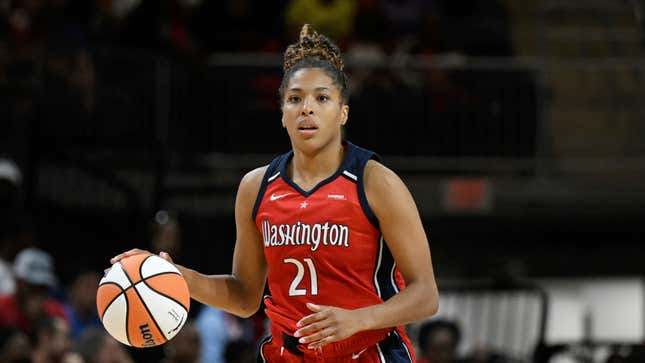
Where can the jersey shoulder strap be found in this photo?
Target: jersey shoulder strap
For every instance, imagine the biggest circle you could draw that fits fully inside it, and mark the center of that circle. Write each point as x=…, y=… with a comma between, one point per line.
x=354, y=168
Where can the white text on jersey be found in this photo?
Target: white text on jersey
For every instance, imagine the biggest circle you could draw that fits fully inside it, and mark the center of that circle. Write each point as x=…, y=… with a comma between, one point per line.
x=298, y=234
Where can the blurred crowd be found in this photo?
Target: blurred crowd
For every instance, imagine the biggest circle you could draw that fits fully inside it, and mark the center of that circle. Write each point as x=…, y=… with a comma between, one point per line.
x=197, y=27
x=72, y=69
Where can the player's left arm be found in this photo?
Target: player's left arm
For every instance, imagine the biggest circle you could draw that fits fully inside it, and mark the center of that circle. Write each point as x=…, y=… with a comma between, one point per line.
x=403, y=232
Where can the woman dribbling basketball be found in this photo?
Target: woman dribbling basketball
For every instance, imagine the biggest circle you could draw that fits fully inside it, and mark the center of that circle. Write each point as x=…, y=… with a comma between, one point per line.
x=336, y=234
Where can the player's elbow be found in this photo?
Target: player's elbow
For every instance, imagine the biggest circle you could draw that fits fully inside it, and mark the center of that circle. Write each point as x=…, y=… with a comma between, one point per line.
x=245, y=298
x=430, y=300
x=247, y=308
x=246, y=312
x=433, y=306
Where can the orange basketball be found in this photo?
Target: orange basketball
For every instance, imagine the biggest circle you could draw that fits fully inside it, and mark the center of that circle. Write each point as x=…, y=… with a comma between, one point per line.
x=143, y=300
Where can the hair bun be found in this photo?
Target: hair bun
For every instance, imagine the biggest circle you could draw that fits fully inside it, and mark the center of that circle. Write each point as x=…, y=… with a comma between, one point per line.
x=306, y=31
x=312, y=44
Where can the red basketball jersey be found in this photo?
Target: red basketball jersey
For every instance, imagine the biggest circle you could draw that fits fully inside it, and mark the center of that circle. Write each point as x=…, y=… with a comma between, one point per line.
x=323, y=246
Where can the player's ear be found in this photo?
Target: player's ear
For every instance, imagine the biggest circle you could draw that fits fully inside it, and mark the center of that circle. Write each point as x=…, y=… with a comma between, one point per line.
x=344, y=114
x=283, y=124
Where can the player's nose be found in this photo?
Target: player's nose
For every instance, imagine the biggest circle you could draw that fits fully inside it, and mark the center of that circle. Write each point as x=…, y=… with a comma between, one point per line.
x=308, y=106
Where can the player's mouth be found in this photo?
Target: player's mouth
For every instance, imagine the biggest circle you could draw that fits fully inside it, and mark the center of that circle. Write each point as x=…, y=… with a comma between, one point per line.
x=307, y=128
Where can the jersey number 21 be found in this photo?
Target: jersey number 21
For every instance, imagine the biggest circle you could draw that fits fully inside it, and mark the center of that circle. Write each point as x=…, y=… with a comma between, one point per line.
x=293, y=289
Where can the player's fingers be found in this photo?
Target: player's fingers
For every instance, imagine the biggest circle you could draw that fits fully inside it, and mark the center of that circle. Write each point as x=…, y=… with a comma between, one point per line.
x=166, y=256
x=316, y=307
x=134, y=251
x=311, y=328
x=317, y=336
x=322, y=342
x=312, y=318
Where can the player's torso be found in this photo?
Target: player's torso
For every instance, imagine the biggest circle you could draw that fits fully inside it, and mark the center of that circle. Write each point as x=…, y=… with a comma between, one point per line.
x=319, y=247
x=323, y=246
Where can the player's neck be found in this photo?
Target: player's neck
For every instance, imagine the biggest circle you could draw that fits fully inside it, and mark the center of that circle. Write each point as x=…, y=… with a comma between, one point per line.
x=307, y=170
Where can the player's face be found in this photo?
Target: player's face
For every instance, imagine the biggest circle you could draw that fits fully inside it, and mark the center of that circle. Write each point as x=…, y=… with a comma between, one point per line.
x=312, y=110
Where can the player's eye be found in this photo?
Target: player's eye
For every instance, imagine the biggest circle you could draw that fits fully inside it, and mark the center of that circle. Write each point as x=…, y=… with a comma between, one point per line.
x=323, y=98
x=293, y=99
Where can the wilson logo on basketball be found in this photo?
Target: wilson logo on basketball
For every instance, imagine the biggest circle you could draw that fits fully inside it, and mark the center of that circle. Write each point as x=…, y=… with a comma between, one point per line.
x=147, y=336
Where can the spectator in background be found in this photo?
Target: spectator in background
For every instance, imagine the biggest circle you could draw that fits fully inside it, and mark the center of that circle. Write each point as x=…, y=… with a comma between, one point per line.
x=96, y=346
x=34, y=273
x=52, y=343
x=81, y=308
x=14, y=346
x=438, y=341
x=334, y=18
x=185, y=347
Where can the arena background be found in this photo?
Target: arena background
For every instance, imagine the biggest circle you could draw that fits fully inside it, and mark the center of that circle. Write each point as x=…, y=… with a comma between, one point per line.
x=518, y=126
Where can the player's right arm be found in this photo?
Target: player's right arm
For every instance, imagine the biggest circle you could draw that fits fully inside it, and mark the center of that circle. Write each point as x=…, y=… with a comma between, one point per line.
x=239, y=293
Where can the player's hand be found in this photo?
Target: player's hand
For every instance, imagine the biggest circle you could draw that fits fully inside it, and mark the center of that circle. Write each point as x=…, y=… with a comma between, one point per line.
x=136, y=251
x=326, y=325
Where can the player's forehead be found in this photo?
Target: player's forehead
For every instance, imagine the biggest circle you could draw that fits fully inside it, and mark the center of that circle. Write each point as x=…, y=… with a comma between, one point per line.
x=309, y=80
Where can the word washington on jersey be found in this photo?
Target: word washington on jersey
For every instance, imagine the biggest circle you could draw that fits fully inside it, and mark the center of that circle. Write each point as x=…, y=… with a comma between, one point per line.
x=299, y=233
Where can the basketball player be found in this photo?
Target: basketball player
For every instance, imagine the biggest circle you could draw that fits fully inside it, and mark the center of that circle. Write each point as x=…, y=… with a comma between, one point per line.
x=336, y=233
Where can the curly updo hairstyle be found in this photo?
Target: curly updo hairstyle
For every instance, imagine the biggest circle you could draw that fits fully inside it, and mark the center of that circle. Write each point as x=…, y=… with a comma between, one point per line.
x=314, y=50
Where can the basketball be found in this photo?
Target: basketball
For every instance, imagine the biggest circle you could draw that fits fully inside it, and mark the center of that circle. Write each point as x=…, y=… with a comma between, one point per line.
x=143, y=301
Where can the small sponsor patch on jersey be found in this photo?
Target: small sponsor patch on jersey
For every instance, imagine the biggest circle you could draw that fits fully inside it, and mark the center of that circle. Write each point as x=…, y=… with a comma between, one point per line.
x=336, y=196
x=350, y=175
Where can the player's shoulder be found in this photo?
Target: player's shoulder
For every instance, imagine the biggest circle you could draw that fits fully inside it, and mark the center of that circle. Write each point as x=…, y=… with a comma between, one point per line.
x=378, y=174
x=252, y=180
x=381, y=182
x=255, y=175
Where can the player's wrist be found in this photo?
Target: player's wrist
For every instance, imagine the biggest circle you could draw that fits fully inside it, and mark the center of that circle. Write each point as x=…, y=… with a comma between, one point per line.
x=188, y=274
x=366, y=318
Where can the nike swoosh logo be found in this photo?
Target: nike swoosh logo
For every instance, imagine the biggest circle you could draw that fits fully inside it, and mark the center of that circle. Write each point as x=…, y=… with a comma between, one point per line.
x=356, y=355
x=276, y=197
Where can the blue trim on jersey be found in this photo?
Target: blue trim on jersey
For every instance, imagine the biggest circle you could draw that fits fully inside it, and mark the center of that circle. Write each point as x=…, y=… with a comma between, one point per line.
x=343, y=165
x=362, y=197
x=271, y=170
x=384, y=277
x=396, y=351
x=260, y=358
